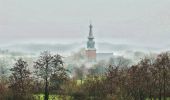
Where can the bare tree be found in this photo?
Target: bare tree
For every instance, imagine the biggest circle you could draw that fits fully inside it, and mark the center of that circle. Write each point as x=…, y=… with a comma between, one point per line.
x=162, y=65
x=20, y=78
x=46, y=66
x=3, y=77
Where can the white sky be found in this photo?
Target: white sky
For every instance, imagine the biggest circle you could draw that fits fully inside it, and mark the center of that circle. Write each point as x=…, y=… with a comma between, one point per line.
x=145, y=22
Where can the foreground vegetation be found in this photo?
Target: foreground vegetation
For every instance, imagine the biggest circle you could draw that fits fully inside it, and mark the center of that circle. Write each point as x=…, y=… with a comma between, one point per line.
x=147, y=80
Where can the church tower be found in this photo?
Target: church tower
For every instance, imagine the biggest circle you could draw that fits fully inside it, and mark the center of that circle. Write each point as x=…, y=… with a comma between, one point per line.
x=91, y=50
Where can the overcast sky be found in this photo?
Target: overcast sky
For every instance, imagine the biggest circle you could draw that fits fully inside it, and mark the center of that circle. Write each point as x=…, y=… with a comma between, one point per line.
x=145, y=22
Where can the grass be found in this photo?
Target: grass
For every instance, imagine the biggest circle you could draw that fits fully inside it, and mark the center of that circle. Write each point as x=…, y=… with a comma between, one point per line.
x=51, y=97
x=58, y=97
x=79, y=82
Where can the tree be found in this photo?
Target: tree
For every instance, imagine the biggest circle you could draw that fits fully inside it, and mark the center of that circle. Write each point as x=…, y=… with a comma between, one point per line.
x=47, y=66
x=93, y=86
x=3, y=69
x=115, y=73
x=59, y=76
x=20, y=78
x=80, y=72
x=98, y=68
x=3, y=77
x=162, y=66
x=112, y=79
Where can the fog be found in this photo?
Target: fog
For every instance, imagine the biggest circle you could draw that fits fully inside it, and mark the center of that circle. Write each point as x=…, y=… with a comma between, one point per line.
x=135, y=22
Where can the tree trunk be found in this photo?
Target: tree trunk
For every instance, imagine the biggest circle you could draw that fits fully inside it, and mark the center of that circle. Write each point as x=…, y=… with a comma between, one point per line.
x=46, y=93
x=164, y=85
x=81, y=80
x=160, y=95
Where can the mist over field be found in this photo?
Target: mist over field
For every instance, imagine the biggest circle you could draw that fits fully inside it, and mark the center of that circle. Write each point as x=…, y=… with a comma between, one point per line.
x=129, y=51
x=70, y=47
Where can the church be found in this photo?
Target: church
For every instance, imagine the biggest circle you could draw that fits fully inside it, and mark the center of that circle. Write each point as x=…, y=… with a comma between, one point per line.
x=91, y=52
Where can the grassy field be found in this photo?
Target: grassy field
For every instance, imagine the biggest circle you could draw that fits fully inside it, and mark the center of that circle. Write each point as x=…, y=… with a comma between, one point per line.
x=52, y=97
x=58, y=97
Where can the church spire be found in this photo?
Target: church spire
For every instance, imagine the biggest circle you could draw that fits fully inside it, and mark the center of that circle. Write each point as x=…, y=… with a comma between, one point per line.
x=91, y=50
x=90, y=31
x=90, y=42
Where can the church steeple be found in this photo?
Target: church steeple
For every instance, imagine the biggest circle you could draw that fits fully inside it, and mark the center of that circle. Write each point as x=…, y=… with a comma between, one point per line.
x=90, y=42
x=91, y=50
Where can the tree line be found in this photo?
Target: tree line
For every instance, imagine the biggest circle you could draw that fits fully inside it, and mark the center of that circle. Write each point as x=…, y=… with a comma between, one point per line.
x=149, y=79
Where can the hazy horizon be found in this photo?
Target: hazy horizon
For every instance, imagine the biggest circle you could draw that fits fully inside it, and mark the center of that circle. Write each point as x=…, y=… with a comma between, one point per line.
x=144, y=22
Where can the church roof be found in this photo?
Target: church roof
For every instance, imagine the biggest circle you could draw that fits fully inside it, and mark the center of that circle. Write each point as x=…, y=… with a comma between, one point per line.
x=103, y=56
